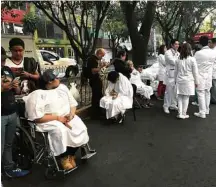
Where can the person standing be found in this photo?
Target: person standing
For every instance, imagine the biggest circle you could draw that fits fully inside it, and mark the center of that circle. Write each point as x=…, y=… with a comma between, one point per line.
x=213, y=89
x=94, y=65
x=170, y=98
x=162, y=71
x=205, y=59
x=186, y=77
x=9, y=87
x=24, y=67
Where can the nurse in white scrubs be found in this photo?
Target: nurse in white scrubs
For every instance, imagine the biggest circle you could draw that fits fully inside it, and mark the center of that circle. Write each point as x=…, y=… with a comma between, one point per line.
x=53, y=110
x=186, y=77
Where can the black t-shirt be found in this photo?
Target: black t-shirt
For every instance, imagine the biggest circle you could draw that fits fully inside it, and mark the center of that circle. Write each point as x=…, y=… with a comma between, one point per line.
x=122, y=67
x=92, y=63
x=8, y=104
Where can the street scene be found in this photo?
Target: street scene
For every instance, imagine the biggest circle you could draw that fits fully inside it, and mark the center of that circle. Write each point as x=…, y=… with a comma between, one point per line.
x=108, y=93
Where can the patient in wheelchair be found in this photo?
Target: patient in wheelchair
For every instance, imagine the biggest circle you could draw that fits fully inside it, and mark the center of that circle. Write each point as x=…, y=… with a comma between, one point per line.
x=53, y=110
x=142, y=89
x=118, y=96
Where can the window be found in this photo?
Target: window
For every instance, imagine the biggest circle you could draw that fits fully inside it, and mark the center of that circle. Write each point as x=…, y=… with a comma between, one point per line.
x=48, y=56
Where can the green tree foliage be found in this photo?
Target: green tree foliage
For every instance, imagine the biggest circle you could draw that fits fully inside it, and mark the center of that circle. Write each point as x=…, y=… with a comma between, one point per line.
x=114, y=25
x=30, y=22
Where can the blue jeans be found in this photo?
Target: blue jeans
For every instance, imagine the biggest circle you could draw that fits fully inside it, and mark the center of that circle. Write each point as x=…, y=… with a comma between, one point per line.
x=8, y=129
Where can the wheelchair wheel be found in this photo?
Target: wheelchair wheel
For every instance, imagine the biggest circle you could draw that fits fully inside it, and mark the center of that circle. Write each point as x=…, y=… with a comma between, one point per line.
x=23, y=151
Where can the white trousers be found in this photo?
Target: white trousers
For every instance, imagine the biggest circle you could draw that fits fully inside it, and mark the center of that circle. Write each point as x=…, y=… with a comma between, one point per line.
x=204, y=97
x=183, y=101
x=170, y=97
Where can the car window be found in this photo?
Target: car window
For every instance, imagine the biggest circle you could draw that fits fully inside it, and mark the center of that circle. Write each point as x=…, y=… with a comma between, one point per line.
x=48, y=57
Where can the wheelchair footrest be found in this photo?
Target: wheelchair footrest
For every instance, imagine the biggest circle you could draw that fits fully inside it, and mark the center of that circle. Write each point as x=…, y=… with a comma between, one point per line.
x=69, y=171
x=88, y=155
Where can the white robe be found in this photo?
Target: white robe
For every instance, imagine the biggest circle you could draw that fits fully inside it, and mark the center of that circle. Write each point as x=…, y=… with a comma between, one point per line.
x=124, y=100
x=142, y=89
x=214, y=66
x=162, y=67
x=186, y=76
x=205, y=60
x=58, y=102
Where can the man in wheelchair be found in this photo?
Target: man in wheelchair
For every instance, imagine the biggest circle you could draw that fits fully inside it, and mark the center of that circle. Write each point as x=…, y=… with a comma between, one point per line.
x=142, y=89
x=53, y=110
x=118, y=96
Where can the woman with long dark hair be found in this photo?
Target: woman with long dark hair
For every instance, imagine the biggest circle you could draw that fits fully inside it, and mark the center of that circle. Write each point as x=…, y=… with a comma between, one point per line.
x=186, y=78
x=162, y=72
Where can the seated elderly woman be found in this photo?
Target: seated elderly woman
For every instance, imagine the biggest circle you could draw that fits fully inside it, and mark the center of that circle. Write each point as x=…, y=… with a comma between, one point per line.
x=53, y=109
x=118, y=96
x=142, y=89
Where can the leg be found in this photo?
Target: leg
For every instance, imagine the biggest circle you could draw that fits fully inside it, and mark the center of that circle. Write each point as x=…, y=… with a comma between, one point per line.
x=9, y=137
x=180, y=105
x=202, y=104
x=173, y=96
x=207, y=100
x=213, y=92
x=185, y=105
x=167, y=98
x=4, y=121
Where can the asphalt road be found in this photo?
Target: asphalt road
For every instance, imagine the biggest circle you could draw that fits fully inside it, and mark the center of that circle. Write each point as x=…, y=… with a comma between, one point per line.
x=157, y=150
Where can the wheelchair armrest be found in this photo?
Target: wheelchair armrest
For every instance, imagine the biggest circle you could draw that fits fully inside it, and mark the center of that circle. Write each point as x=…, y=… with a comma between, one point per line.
x=25, y=119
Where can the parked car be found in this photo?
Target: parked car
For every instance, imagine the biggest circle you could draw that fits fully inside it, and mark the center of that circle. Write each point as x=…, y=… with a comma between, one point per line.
x=53, y=59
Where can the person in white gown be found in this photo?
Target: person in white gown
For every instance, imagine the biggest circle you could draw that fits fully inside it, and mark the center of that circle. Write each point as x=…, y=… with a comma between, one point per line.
x=118, y=96
x=162, y=72
x=170, y=97
x=205, y=60
x=53, y=109
x=142, y=89
x=186, y=77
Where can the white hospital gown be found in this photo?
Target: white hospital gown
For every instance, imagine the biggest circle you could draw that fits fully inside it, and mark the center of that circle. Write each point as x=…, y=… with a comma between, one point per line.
x=57, y=101
x=142, y=89
x=124, y=100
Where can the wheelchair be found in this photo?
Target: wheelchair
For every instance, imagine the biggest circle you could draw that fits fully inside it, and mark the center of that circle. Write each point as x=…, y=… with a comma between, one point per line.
x=31, y=146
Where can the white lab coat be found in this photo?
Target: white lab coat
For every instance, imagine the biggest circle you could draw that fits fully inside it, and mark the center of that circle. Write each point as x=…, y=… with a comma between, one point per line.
x=142, y=89
x=124, y=100
x=57, y=101
x=205, y=59
x=162, y=67
x=170, y=98
x=186, y=76
x=214, y=66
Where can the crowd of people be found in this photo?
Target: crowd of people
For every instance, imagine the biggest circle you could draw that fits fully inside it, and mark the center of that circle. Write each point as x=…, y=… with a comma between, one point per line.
x=50, y=105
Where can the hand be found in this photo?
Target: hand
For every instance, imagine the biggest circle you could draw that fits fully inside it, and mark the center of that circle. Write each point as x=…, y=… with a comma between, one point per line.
x=6, y=86
x=15, y=84
x=69, y=117
x=25, y=74
x=62, y=119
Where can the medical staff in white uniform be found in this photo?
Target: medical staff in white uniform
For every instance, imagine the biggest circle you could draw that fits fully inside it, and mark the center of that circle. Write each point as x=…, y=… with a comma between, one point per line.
x=205, y=60
x=186, y=77
x=170, y=98
x=212, y=45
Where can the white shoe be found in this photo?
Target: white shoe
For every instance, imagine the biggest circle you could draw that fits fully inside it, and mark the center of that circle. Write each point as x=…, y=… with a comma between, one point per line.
x=207, y=113
x=186, y=116
x=181, y=116
x=195, y=103
x=173, y=108
x=197, y=114
x=166, y=110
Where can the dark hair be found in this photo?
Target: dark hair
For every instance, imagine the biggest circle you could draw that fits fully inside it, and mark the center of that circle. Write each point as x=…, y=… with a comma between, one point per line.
x=121, y=53
x=16, y=42
x=213, y=40
x=203, y=40
x=172, y=42
x=3, y=52
x=113, y=76
x=161, y=49
x=185, y=51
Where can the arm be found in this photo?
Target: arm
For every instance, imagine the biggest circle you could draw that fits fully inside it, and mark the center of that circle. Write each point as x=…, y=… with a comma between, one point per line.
x=176, y=71
x=195, y=72
x=161, y=60
x=34, y=76
x=170, y=59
